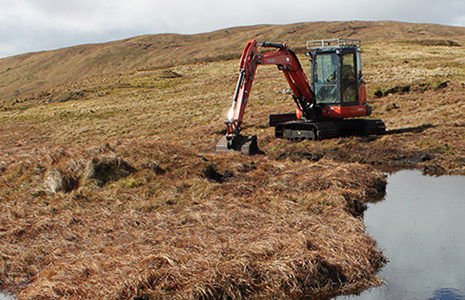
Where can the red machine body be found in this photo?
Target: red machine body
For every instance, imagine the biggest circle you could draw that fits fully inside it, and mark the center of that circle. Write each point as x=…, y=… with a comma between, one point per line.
x=336, y=78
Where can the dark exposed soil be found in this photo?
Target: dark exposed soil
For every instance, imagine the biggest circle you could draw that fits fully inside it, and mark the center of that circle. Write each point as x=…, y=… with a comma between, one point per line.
x=387, y=152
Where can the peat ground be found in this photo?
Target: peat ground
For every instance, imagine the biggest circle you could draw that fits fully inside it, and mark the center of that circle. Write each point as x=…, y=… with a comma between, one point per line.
x=109, y=186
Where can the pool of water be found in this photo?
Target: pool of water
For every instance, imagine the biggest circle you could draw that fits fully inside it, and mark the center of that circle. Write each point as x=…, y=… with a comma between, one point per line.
x=4, y=296
x=420, y=226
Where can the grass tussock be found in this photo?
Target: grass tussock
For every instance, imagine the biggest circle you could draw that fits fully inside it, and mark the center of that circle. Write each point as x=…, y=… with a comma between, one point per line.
x=57, y=181
x=268, y=230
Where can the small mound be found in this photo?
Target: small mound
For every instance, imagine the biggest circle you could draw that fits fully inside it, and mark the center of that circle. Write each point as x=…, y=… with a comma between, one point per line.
x=57, y=181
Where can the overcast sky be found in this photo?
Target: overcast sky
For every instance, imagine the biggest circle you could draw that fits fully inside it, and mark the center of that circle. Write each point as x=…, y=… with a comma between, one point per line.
x=32, y=25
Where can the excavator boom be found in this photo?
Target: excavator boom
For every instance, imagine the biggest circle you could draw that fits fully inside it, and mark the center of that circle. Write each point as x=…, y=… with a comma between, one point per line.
x=285, y=59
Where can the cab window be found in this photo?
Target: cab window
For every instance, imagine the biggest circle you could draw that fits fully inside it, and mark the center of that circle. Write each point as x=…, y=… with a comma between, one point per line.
x=348, y=78
x=326, y=78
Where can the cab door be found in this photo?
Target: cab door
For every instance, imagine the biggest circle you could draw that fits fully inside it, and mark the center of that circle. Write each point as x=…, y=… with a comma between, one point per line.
x=325, y=78
x=349, y=85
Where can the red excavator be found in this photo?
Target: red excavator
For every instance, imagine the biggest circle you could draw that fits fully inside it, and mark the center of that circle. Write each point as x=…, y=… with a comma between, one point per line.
x=336, y=92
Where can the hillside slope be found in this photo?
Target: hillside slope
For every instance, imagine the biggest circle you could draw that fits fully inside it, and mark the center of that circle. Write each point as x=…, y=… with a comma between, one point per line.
x=110, y=187
x=35, y=75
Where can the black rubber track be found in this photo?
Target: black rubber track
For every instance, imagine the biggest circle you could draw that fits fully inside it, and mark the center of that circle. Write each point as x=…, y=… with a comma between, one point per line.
x=327, y=129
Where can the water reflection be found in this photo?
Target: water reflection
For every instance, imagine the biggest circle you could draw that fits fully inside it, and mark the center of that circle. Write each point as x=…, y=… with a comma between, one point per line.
x=420, y=227
x=447, y=294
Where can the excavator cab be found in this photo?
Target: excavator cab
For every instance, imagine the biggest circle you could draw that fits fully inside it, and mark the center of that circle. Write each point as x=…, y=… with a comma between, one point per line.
x=336, y=71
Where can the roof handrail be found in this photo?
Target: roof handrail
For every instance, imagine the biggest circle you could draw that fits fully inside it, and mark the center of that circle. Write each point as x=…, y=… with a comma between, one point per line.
x=333, y=42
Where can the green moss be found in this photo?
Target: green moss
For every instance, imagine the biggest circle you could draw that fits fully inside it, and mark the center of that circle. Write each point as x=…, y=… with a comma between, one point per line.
x=434, y=146
x=130, y=182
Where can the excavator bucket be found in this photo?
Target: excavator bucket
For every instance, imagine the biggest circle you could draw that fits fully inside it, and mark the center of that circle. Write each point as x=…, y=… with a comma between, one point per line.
x=245, y=144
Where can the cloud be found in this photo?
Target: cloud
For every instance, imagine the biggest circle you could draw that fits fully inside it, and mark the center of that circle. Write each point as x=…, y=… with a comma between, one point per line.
x=31, y=25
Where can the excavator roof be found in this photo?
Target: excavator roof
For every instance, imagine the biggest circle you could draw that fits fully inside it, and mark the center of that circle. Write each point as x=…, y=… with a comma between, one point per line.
x=332, y=44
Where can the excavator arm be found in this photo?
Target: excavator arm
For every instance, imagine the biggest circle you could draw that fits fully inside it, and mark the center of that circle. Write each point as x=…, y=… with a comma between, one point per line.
x=287, y=61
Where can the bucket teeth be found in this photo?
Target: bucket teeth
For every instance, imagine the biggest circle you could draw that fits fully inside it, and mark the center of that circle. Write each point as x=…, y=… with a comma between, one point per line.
x=245, y=144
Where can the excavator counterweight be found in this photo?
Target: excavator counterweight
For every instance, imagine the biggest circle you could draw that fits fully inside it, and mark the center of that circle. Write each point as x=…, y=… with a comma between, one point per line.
x=336, y=92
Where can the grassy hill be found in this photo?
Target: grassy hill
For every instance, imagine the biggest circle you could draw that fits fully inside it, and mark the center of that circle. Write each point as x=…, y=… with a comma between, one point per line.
x=37, y=74
x=109, y=186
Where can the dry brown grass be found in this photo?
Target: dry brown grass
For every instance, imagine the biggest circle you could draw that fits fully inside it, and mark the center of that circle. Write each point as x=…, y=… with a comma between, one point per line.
x=269, y=230
x=109, y=187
